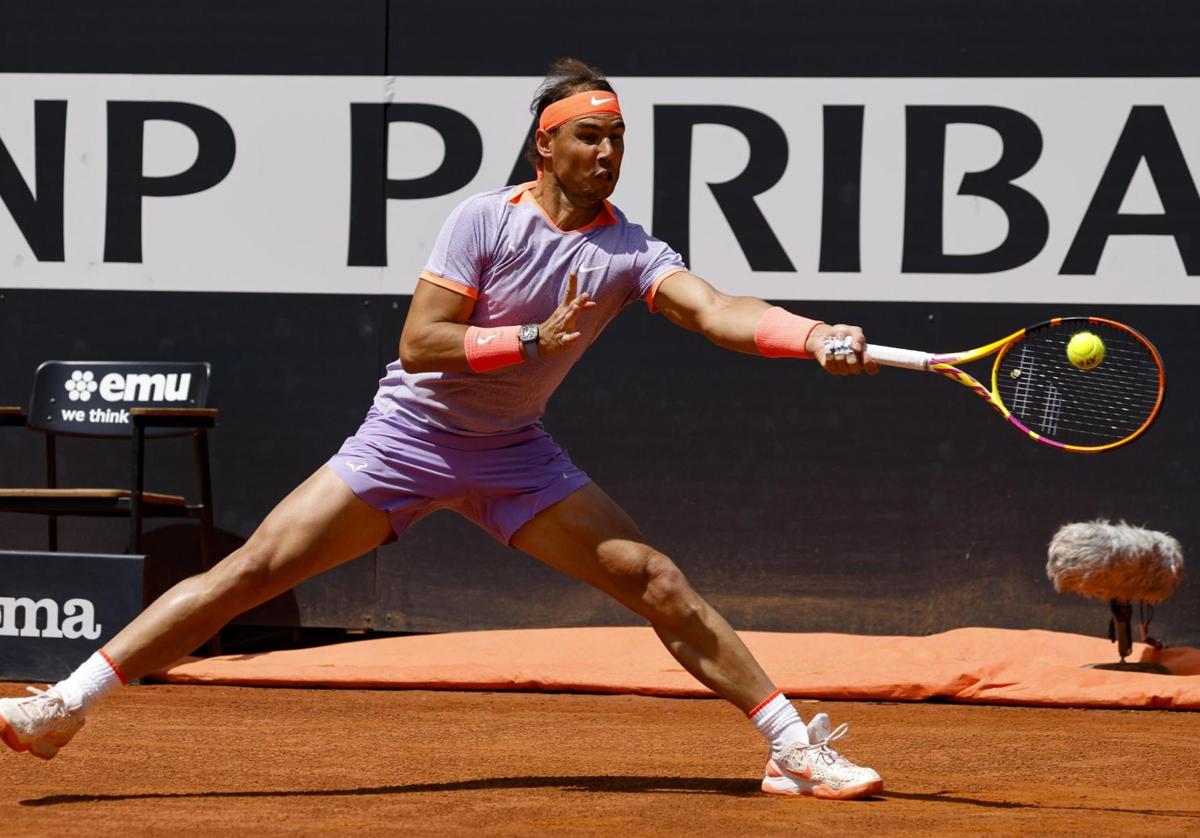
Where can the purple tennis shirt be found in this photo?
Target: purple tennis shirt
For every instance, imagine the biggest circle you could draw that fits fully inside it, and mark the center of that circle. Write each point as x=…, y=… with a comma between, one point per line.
x=503, y=251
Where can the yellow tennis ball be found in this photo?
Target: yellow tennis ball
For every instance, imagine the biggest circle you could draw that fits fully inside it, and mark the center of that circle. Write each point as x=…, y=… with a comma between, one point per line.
x=1085, y=350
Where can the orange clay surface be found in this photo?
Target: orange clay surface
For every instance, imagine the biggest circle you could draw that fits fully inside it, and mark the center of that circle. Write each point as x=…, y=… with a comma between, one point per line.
x=234, y=760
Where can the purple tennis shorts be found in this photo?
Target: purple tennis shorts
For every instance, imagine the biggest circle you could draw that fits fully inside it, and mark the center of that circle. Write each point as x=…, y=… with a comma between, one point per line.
x=500, y=482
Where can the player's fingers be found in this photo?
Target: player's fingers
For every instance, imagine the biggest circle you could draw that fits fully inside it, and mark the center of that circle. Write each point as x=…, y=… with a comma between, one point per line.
x=565, y=309
x=572, y=285
x=845, y=347
x=858, y=342
x=836, y=349
x=853, y=367
x=573, y=302
x=853, y=356
x=576, y=306
x=832, y=363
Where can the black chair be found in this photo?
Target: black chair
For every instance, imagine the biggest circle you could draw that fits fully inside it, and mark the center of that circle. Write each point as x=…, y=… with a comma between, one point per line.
x=124, y=400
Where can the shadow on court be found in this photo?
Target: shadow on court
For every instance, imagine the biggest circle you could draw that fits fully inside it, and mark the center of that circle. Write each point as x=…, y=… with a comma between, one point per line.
x=944, y=797
x=726, y=786
x=732, y=787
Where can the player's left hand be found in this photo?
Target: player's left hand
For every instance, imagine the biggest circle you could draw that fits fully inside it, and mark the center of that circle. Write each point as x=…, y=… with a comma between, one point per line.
x=841, y=350
x=560, y=330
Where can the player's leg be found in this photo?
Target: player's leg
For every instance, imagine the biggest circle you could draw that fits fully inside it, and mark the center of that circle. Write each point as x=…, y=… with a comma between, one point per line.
x=588, y=536
x=322, y=523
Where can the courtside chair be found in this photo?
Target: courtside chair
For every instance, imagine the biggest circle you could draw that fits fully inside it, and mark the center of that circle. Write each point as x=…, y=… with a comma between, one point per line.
x=117, y=400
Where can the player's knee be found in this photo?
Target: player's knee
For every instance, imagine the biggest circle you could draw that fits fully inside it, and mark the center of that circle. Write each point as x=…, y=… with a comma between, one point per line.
x=242, y=572
x=668, y=595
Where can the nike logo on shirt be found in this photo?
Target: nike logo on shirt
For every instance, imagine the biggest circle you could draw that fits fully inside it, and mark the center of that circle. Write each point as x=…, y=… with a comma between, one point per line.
x=592, y=268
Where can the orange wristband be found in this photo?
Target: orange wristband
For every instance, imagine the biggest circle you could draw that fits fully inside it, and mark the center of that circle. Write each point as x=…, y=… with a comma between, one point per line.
x=489, y=349
x=781, y=334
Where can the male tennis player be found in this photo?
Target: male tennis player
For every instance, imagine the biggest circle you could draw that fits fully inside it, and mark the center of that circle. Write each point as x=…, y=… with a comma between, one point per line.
x=521, y=281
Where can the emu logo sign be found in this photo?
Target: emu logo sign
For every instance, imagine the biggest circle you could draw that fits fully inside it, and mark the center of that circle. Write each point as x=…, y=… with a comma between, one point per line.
x=130, y=387
x=95, y=397
x=19, y=617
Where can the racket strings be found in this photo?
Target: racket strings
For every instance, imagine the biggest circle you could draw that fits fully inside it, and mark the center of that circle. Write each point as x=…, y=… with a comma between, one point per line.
x=1049, y=400
x=1058, y=405
x=1049, y=395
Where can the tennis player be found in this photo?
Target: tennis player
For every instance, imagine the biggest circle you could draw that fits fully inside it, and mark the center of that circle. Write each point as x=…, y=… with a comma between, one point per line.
x=521, y=281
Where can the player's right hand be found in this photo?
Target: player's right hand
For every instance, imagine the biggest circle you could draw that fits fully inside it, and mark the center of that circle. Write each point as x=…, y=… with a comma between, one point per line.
x=851, y=359
x=559, y=331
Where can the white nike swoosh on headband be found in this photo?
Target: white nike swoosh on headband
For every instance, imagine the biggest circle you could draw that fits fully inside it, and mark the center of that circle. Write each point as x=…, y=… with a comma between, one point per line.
x=596, y=101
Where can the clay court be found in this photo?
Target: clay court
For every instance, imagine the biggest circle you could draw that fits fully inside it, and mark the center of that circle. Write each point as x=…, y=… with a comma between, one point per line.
x=227, y=760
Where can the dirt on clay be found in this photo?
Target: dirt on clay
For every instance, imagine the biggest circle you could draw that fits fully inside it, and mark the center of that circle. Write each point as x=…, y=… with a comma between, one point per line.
x=156, y=759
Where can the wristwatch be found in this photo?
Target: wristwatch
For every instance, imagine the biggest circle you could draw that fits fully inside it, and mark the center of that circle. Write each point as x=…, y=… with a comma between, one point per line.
x=528, y=335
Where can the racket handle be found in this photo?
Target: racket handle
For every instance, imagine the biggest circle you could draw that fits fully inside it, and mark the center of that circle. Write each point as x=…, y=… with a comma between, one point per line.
x=891, y=356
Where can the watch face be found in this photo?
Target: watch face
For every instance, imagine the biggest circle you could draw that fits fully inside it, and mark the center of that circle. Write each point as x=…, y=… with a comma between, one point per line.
x=527, y=334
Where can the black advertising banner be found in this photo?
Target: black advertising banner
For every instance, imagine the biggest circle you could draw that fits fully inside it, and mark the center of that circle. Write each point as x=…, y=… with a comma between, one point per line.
x=58, y=608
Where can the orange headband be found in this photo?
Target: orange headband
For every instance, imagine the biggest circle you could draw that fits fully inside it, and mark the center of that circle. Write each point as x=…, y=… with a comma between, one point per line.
x=579, y=105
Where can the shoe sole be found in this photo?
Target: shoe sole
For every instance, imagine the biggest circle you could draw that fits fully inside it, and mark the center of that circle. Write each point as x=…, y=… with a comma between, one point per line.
x=777, y=781
x=11, y=740
x=785, y=787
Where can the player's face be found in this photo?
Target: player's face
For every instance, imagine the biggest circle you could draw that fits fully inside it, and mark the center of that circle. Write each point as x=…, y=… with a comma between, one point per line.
x=585, y=155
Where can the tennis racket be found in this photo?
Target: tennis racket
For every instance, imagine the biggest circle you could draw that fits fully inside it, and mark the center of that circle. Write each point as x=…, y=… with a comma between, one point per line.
x=1046, y=397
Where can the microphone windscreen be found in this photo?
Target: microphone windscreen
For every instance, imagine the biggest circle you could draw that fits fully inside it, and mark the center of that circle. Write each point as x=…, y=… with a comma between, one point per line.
x=1115, y=561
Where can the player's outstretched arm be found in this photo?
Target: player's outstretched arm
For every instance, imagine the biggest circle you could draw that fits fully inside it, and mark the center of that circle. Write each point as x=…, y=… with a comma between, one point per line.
x=752, y=326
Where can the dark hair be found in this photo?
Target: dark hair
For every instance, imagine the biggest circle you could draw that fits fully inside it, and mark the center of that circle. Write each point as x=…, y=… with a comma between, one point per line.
x=566, y=77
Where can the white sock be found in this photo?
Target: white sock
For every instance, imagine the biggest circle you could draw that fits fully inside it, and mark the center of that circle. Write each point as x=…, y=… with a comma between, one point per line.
x=778, y=721
x=95, y=678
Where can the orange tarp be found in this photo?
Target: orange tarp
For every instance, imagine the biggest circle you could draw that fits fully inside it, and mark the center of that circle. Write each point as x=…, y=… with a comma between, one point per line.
x=975, y=665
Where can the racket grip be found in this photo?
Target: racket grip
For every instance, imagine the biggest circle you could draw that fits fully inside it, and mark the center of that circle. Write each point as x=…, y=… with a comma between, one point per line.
x=891, y=356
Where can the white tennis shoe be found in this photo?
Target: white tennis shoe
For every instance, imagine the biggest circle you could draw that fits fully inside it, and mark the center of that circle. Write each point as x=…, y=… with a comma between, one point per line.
x=817, y=770
x=40, y=724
